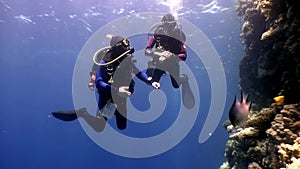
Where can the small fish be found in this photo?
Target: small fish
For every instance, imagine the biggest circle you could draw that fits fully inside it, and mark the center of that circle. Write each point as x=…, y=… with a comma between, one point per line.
x=239, y=110
x=279, y=100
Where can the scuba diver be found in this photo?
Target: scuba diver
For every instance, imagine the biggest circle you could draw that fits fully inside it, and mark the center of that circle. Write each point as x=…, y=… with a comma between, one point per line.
x=169, y=42
x=114, y=83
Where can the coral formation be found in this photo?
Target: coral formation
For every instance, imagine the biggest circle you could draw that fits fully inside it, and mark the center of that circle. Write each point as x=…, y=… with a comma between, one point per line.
x=294, y=165
x=290, y=154
x=269, y=140
x=225, y=166
x=245, y=133
x=254, y=165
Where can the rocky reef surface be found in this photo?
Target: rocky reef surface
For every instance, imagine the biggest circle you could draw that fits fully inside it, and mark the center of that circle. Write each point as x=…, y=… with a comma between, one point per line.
x=270, y=138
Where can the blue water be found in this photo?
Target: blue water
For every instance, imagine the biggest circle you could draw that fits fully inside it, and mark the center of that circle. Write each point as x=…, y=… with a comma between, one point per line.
x=40, y=44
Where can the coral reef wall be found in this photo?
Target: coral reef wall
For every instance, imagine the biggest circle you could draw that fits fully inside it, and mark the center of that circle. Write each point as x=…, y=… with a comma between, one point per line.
x=271, y=36
x=270, y=138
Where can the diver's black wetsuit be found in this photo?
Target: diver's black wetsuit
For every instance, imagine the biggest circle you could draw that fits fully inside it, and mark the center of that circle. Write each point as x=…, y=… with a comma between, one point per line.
x=110, y=77
x=172, y=41
x=168, y=41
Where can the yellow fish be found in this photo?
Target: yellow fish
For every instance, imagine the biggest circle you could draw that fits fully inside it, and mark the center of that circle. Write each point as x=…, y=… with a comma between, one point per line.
x=279, y=100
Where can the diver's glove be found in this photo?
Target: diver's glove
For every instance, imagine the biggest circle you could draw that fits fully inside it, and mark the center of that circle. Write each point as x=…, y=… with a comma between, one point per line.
x=156, y=85
x=124, y=91
x=148, y=52
x=91, y=83
x=131, y=50
x=182, y=56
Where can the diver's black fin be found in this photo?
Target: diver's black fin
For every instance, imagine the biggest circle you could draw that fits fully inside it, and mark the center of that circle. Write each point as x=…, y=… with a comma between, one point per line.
x=187, y=94
x=65, y=115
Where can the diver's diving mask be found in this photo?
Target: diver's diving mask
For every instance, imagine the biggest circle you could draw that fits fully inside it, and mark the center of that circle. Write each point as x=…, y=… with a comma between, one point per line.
x=124, y=43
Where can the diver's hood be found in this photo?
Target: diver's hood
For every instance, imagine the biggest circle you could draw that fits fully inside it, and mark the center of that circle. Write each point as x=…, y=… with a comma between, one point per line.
x=173, y=25
x=154, y=26
x=116, y=39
